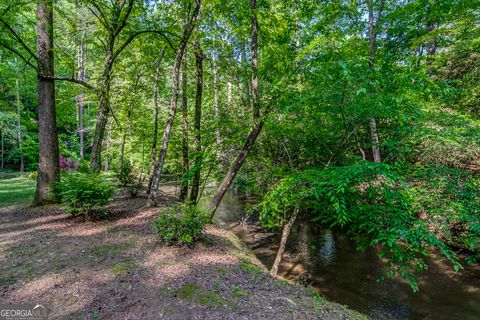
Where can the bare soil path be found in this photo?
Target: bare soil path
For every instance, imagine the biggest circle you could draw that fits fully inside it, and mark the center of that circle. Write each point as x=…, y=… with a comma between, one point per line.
x=118, y=269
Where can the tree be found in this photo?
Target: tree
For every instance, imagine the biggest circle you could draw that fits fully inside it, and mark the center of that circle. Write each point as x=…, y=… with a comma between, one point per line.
x=197, y=123
x=48, y=166
x=187, y=31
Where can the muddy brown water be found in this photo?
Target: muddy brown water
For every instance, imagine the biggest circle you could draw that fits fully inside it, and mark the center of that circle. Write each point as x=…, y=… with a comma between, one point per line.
x=328, y=261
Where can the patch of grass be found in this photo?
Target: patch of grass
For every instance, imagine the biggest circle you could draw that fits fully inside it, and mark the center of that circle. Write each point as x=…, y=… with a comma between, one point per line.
x=124, y=266
x=248, y=267
x=198, y=295
x=238, y=292
x=15, y=189
x=110, y=250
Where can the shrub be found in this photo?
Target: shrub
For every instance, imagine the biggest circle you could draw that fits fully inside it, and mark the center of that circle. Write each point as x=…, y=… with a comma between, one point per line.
x=124, y=174
x=372, y=203
x=85, y=194
x=180, y=224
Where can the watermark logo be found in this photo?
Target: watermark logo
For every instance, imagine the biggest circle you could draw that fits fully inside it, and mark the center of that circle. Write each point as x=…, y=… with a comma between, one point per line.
x=23, y=312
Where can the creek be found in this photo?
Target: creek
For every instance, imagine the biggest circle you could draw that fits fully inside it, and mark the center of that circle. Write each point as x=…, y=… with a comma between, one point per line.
x=328, y=261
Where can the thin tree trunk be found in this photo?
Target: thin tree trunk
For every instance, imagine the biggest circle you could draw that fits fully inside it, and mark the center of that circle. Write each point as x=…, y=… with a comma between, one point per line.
x=122, y=147
x=152, y=199
x=216, y=106
x=237, y=164
x=3, y=150
x=372, y=26
x=185, y=165
x=48, y=166
x=103, y=108
x=81, y=76
x=156, y=108
x=197, y=123
x=254, y=56
x=106, y=163
x=258, y=121
x=281, y=249
x=19, y=120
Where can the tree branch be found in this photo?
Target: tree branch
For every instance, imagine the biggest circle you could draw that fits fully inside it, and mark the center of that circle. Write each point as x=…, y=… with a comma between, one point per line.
x=3, y=44
x=16, y=36
x=81, y=82
x=133, y=36
x=102, y=18
x=123, y=21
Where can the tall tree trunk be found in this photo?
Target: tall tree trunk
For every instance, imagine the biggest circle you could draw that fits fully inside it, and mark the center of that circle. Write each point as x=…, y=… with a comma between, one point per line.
x=372, y=26
x=254, y=56
x=197, y=123
x=48, y=166
x=103, y=107
x=216, y=106
x=258, y=123
x=19, y=120
x=156, y=108
x=190, y=25
x=283, y=242
x=185, y=165
x=81, y=76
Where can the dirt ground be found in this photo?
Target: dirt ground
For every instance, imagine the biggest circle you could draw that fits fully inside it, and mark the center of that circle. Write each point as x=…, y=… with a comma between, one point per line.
x=118, y=269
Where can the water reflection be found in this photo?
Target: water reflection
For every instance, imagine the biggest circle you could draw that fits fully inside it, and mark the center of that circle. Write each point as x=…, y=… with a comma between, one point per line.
x=327, y=249
x=346, y=276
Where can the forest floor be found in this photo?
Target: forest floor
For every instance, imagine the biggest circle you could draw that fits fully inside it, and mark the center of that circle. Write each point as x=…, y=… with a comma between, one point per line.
x=117, y=269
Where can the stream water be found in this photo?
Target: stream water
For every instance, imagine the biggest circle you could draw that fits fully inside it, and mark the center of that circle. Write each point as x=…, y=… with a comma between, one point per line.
x=328, y=261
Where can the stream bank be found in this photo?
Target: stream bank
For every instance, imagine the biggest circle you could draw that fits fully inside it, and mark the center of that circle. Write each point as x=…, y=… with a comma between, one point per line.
x=328, y=261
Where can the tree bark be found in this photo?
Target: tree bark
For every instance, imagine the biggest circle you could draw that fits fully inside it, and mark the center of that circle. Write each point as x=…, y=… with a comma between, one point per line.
x=190, y=25
x=216, y=106
x=185, y=165
x=156, y=108
x=254, y=56
x=106, y=163
x=372, y=26
x=197, y=123
x=19, y=120
x=81, y=77
x=281, y=249
x=48, y=166
x=103, y=107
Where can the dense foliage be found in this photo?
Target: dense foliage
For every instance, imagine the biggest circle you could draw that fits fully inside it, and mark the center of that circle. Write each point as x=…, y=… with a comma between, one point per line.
x=85, y=194
x=370, y=110
x=180, y=224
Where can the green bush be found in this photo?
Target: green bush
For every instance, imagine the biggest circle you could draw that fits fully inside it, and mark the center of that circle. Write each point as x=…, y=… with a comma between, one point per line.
x=85, y=194
x=375, y=205
x=180, y=224
x=124, y=174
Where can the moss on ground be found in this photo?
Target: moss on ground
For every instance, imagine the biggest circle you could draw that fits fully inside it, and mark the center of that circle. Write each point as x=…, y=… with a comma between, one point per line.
x=196, y=294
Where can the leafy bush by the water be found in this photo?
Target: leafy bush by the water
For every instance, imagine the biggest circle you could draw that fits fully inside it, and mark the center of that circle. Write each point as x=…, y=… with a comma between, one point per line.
x=85, y=194
x=181, y=224
x=372, y=203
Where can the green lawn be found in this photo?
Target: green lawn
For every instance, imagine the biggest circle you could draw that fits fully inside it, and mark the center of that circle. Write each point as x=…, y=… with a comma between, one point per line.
x=15, y=189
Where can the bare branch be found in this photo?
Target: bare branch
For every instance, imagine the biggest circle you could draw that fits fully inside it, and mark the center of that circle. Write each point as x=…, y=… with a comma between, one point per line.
x=81, y=82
